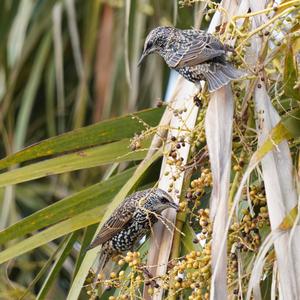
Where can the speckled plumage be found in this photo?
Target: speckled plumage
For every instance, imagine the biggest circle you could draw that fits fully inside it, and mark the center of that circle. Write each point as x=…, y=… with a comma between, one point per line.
x=195, y=54
x=131, y=221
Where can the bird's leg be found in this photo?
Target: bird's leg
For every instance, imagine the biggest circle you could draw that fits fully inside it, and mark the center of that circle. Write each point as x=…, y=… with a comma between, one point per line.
x=104, y=257
x=117, y=257
x=199, y=87
x=196, y=160
x=148, y=276
x=170, y=265
x=229, y=48
x=105, y=254
x=196, y=98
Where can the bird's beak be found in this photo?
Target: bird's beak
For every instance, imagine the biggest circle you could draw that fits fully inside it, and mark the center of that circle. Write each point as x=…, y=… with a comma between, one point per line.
x=174, y=205
x=142, y=58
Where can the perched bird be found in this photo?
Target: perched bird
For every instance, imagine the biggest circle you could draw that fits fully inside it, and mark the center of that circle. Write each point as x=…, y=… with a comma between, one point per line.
x=131, y=220
x=195, y=54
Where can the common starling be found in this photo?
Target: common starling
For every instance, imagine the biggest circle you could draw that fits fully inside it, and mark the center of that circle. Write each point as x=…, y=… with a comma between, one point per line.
x=131, y=220
x=195, y=54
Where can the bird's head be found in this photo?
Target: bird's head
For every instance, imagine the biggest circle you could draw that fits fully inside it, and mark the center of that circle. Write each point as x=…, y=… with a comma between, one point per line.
x=158, y=200
x=155, y=41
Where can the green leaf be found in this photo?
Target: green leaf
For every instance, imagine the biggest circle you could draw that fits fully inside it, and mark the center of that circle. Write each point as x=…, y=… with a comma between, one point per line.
x=88, y=198
x=30, y=93
x=33, y=38
x=97, y=134
x=187, y=239
x=65, y=251
x=101, y=155
x=77, y=222
x=277, y=135
x=292, y=122
x=289, y=219
x=288, y=128
x=87, y=238
x=290, y=73
x=91, y=19
x=46, y=266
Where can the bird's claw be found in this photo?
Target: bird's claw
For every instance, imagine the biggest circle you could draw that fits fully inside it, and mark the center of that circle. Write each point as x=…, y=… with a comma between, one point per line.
x=149, y=277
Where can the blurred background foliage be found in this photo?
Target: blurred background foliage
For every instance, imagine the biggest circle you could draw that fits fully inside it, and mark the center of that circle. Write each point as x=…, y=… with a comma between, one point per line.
x=65, y=65
x=68, y=64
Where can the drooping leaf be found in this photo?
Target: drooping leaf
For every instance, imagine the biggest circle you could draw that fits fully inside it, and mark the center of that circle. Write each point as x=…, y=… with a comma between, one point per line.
x=86, y=240
x=278, y=134
x=97, y=134
x=277, y=174
x=61, y=257
x=218, y=128
x=88, y=158
x=48, y=264
x=60, y=229
x=289, y=219
x=161, y=240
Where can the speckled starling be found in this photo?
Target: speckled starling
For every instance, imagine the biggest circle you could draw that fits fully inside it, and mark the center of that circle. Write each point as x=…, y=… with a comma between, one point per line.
x=130, y=222
x=195, y=54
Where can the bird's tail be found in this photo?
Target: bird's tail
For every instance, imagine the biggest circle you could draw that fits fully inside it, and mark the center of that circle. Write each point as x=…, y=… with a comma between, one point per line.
x=221, y=74
x=96, y=287
x=103, y=259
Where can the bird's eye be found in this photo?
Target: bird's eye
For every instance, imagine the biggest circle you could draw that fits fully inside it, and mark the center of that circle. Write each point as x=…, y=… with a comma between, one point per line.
x=164, y=200
x=149, y=45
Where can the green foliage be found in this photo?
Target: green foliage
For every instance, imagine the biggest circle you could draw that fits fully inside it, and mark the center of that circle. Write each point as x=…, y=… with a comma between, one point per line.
x=72, y=144
x=90, y=136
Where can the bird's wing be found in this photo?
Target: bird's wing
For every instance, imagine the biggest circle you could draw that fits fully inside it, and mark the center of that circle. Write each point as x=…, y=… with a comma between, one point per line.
x=116, y=222
x=199, y=47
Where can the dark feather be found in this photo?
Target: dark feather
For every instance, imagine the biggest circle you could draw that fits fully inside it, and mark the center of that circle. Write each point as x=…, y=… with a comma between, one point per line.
x=199, y=47
x=221, y=74
x=121, y=216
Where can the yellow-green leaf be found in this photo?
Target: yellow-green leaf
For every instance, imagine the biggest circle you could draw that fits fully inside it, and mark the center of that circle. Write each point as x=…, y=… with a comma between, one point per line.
x=101, y=155
x=79, y=221
x=97, y=134
x=289, y=219
x=290, y=73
